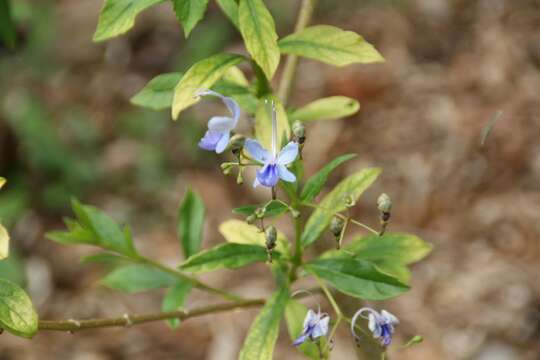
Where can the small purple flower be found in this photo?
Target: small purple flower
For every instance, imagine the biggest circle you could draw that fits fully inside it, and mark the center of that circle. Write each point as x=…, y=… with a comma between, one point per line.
x=219, y=127
x=315, y=326
x=274, y=164
x=380, y=324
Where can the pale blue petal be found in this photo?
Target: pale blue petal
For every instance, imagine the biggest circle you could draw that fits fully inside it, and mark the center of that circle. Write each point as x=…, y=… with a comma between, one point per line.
x=231, y=104
x=321, y=328
x=268, y=176
x=221, y=123
x=288, y=154
x=255, y=149
x=223, y=142
x=311, y=318
x=389, y=318
x=210, y=140
x=285, y=174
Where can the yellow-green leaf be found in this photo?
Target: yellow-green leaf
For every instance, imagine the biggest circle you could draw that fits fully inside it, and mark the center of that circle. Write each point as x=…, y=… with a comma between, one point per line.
x=2, y=182
x=17, y=314
x=329, y=108
x=263, y=333
x=4, y=242
x=118, y=16
x=259, y=33
x=263, y=123
x=331, y=45
x=202, y=75
x=239, y=232
x=351, y=187
x=230, y=8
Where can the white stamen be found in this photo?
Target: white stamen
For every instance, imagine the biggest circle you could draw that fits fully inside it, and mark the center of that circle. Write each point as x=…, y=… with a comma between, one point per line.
x=274, y=130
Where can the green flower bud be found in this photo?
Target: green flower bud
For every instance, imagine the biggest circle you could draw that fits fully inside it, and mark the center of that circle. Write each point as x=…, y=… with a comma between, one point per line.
x=295, y=213
x=299, y=130
x=270, y=234
x=384, y=203
x=336, y=226
x=237, y=143
x=251, y=219
x=350, y=201
x=226, y=167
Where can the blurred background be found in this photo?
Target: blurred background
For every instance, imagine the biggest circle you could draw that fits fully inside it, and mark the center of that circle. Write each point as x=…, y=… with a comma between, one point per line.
x=67, y=129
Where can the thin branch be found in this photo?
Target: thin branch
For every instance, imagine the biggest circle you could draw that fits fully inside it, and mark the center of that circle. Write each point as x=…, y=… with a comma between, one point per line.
x=287, y=79
x=126, y=320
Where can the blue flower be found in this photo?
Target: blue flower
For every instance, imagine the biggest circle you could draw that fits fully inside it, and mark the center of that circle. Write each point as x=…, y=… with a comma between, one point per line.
x=380, y=324
x=219, y=127
x=315, y=326
x=274, y=164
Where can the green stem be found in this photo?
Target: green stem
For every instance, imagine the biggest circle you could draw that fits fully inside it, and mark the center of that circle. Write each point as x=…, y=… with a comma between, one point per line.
x=346, y=218
x=329, y=296
x=287, y=79
x=196, y=283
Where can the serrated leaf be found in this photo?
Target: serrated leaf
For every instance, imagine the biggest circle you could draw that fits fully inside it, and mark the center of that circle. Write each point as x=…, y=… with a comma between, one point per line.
x=225, y=256
x=138, y=277
x=8, y=33
x=189, y=13
x=202, y=75
x=357, y=278
x=331, y=45
x=158, y=93
x=190, y=223
x=118, y=16
x=352, y=186
x=263, y=123
x=239, y=232
x=174, y=300
x=4, y=242
x=259, y=32
x=17, y=314
x=263, y=333
x=230, y=8
x=295, y=314
x=272, y=208
x=330, y=108
x=315, y=183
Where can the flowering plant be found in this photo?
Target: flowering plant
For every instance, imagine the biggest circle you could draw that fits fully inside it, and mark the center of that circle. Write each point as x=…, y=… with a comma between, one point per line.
x=370, y=267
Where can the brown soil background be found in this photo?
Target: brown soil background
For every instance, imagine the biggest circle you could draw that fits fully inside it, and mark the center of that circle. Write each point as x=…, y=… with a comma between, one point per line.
x=451, y=65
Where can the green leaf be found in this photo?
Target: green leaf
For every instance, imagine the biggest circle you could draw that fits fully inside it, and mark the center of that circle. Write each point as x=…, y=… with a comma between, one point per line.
x=17, y=314
x=138, y=277
x=259, y=33
x=118, y=16
x=394, y=269
x=202, y=75
x=239, y=232
x=395, y=247
x=4, y=242
x=263, y=333
x=190, y=223
x=263, y=123
x=189, y=13
x=315, y=183
x=295, y=314
x=417, y=339
x=8, y=32
x=272, y=208
x=230, y=8
x=104, y=258
x=225, y=256
x=357, y=278
x=329, y=108
x=174, y=300
x=352, y=186
x=158, y=93
x=330, y=45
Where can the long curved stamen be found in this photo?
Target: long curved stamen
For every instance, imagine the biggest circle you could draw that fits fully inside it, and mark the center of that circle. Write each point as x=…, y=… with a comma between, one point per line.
x=355, y=318
x=274, y=130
